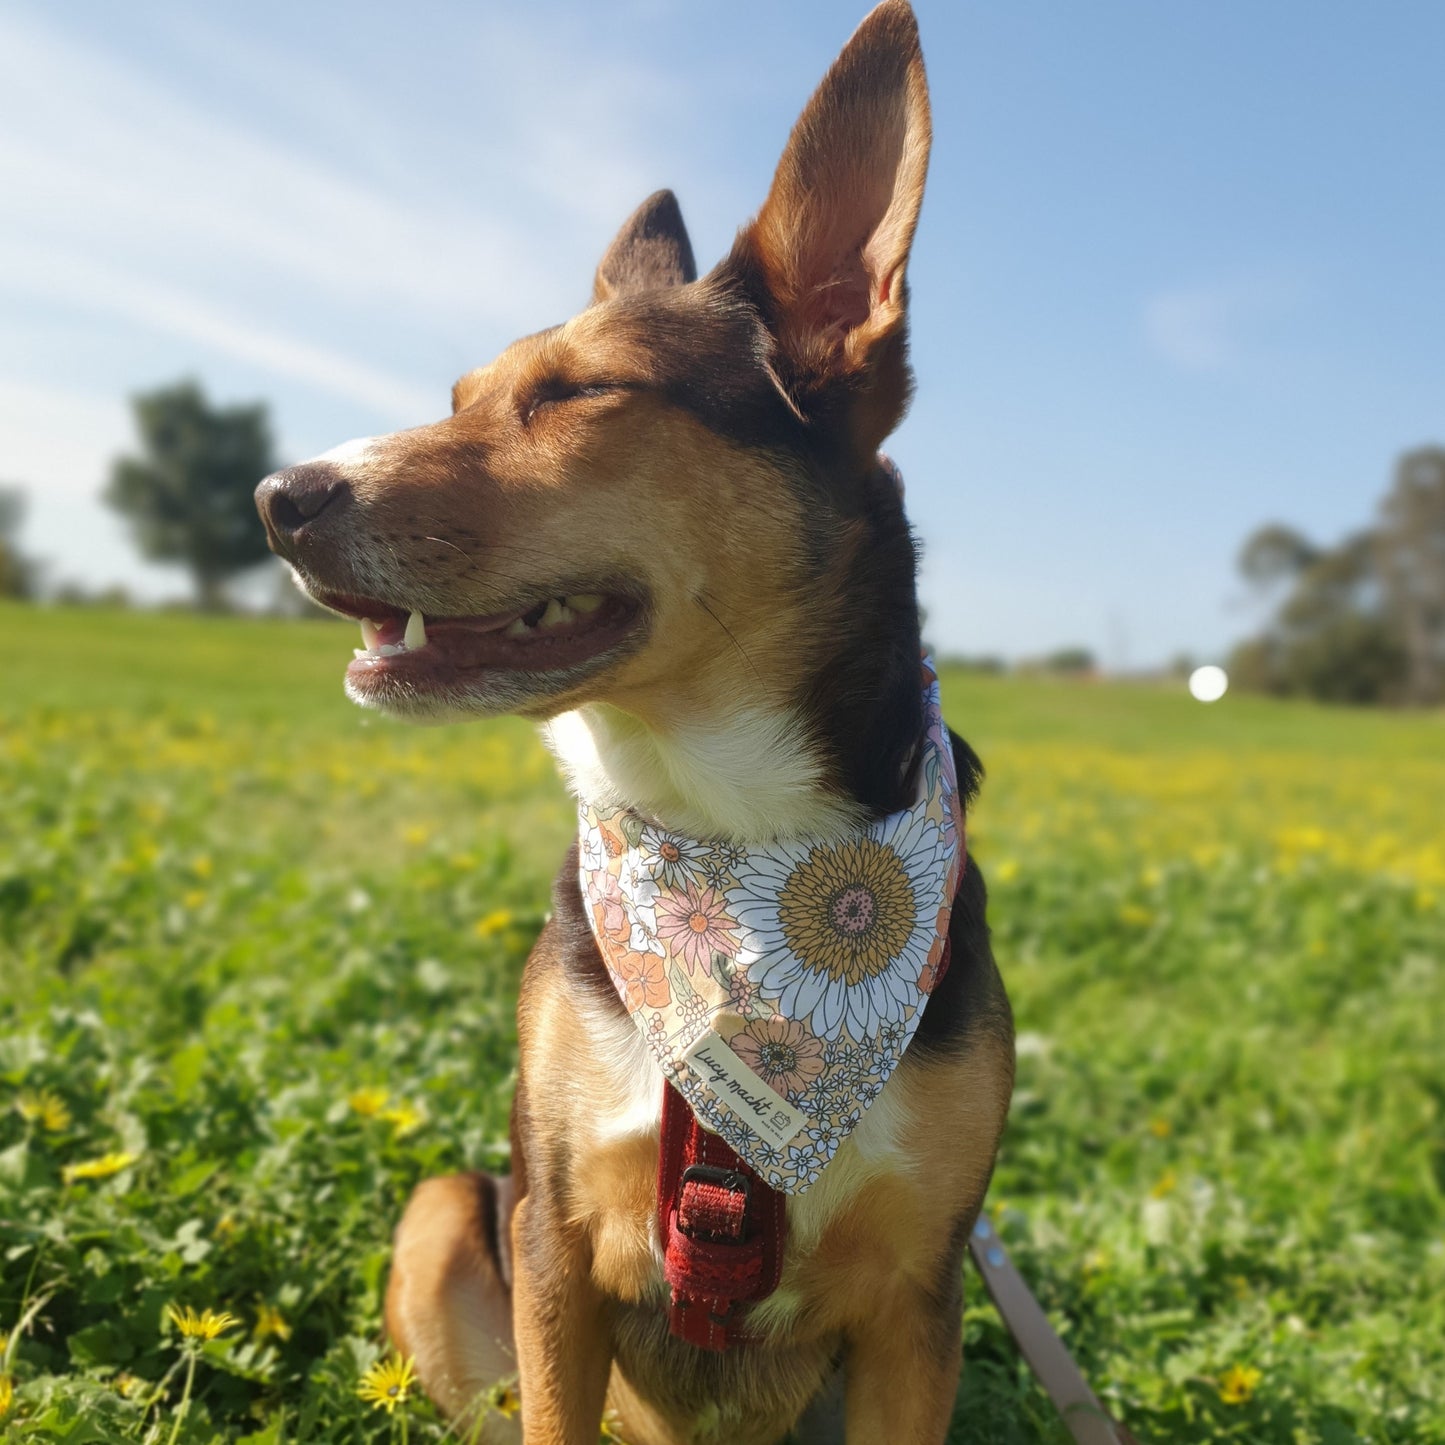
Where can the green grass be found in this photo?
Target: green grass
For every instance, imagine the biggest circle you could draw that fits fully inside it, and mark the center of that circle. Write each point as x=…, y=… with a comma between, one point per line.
x=234, y=911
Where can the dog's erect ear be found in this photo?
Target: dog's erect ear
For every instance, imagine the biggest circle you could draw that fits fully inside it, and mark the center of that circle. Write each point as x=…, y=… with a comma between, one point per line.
x=650, y=250
x=831, y=242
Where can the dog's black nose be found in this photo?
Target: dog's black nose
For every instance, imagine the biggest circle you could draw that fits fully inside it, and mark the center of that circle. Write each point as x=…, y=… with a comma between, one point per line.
x=288, y=500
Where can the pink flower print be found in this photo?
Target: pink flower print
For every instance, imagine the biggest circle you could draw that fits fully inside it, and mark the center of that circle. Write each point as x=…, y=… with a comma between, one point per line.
x=781, y=1052
x=694, y=924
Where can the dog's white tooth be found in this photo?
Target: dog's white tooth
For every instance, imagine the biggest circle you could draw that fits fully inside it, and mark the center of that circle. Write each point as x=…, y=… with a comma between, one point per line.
x=518, y=629
x=370, y=635
x=585, y=602
x=415, y=636
x=555, y=615
x=390, y=649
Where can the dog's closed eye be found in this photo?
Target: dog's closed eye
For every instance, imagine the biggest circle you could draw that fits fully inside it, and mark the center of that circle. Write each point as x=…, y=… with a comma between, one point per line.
x=555, y=391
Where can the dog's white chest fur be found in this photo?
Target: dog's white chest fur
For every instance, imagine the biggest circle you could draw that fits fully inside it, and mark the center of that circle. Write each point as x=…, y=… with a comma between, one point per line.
x=746, y=776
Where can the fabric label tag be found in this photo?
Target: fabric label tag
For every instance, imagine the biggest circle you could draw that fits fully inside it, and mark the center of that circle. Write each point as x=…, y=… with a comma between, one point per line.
x=743, y=1094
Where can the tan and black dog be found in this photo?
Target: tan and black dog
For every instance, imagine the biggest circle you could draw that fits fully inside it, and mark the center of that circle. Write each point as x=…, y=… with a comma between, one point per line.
x=661, y=529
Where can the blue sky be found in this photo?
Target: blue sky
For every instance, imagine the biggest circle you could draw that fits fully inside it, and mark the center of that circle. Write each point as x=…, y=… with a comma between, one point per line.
x=1179, y=271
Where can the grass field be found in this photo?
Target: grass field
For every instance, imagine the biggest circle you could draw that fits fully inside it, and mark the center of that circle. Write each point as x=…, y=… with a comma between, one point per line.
x=259, y=953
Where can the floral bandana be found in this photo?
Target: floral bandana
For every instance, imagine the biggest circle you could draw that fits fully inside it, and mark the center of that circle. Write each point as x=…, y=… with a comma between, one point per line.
x=778, y=986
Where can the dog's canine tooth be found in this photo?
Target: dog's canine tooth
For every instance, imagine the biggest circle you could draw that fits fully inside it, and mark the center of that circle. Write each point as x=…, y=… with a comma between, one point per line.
x=584, y=602
x=415, y=635
x=370, y=635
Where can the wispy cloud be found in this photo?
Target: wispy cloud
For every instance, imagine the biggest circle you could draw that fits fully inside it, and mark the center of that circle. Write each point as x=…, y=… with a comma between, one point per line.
x=77, y=281
x=1213, y=327
x=209, y=229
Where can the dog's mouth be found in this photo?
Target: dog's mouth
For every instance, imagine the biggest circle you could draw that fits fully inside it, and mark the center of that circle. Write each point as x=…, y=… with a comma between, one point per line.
x=405, y=650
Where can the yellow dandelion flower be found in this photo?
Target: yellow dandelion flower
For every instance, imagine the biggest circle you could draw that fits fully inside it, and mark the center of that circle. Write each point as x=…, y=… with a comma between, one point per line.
x=45, y=1107
x=1237, y=1384
x=193, y=898
x=404, y=1119
x=7, y=1393
x=1160, y=1128
x=416, y=835
x=1164, y=1185
x=270, y=1321
x=1135, y=916
x=128, y=1386
x=1006, y=871
x=387, y=1384
x=368, y=1102
x=505, y=1399
x=207, y=1325
x=493, y=923
x=101, y=1168
x=202, y=867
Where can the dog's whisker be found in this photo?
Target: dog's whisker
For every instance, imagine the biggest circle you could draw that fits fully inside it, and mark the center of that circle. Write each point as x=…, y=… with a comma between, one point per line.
x=452, y=545
x=702, y=602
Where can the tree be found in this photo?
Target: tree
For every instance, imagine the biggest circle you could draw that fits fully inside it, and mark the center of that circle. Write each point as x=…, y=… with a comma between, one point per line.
x=188, y=495
x=1363, y=621
x=1411, y=558
x=17, y=572
x=1275, y=554
x=1332, y=636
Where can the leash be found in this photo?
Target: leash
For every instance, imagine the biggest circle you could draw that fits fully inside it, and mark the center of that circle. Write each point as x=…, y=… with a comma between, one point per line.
x=1047, y=1355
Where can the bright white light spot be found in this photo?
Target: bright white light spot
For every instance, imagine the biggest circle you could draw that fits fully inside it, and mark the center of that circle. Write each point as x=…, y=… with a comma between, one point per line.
x=1208, y=684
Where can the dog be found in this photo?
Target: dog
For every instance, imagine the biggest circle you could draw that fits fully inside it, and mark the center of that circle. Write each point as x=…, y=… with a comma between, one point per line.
x=663, y=531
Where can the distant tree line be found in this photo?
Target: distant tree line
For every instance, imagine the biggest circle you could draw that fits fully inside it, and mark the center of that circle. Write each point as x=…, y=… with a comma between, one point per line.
x=1363, y=621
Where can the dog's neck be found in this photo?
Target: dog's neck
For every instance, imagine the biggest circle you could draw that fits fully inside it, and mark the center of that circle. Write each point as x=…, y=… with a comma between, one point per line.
x=751, y=776
x=834, y=755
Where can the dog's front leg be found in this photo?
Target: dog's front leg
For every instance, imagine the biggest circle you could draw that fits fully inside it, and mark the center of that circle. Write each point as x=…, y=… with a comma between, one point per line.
x=903, y=1368
x=564, y=1354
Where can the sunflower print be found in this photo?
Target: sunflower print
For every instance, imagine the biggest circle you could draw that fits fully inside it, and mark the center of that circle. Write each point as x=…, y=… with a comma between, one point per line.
x=837, y=936
x=848, y=909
